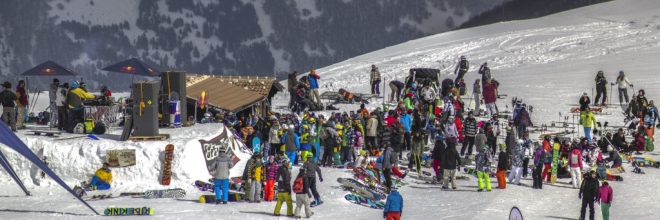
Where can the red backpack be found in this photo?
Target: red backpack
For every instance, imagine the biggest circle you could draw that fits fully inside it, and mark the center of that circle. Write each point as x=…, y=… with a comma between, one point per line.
x=298, y=185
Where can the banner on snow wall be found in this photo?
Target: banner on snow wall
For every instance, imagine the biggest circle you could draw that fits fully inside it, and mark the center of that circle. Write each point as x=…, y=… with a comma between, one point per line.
x=226, y=141
x=120, y=158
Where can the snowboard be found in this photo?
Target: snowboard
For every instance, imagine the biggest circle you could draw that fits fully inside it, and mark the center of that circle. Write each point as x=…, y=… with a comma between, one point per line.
x=357, y=199
x=165, y=193
x=616, y=171
x=131, y=194
x=204, y=186
x=594, y=110
x=98, y=197
x=207, y=199
x=128, y=211
x=314, y=204
x=645, y=162
x=362, y=174
x=360, y=189
x=555, y=161
x=167, y=165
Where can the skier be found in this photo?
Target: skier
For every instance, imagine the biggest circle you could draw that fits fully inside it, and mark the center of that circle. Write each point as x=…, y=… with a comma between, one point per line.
x=502, y=167
x=476, y=96
x=483, y=161
x=485, y=74
x=623, y=83
x=312, y=169
x=450, y=164
x=461, y=68
x=292, y=81
x=588, y=194
x=314, y=86
x=588, y=121
x=102, y=178
x=490, y=97
x=396, y=87
x=575, y=167
x=470, y=130
x=222, y=164
x=284, y=188
x=604, y=198
x=256, y=175
x=393, y=205
x=539, y=158
x=601, y=84
x=374, y=79
x=7, y=98
x=291, y=142
x=302, y=191
x=517, y=163
x=53, y=105
x=271, y=174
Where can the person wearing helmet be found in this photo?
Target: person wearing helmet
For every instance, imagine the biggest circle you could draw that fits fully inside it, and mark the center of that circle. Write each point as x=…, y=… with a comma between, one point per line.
x=53, y=97
x=374, y=79
x=75, y=97
x=292, y=143
x=284, y=188
x=461, y=68
x=517, y=162
x=312, y=169
x=601, y=88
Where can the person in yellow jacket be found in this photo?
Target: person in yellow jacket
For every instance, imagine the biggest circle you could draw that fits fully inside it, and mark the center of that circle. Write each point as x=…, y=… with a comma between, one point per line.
x=256, y=178
x=588, y=122
x=102, y=178
x=74, y=99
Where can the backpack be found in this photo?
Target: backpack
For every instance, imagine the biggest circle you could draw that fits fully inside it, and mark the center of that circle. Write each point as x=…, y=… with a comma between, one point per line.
x=89, y=125
x=79, y=128
x=298, y=185
x=547, y=157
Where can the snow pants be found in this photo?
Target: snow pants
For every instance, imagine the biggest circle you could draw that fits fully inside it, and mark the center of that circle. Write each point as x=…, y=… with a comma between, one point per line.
x=601, y=91
x=516, y=172
x=536, y=175
x=395, y=92
x=302, y=200
x=221, y=189
x=437, y=167
x=292, y=157
x=587, y=202
x=100, y=185
x=20, y=118
x=525, y=167
x=315, y=95
x=576, y=177
x=396, y=172
x=623, y=93
x=477, y=102
x=587, y=133
x=605, y=210
x=484, y=177
x=375, y=87
x=547, y=172
x=393, y=216
x=491, y=109
x=255, y=191
x=269, y=193
x=501, y=179
x=317, y=154
x=468, y=144
x=281, y=198
x=312, y=187
x=447, y=175
x=387, y=173
x=7, y=114
x=53, y=115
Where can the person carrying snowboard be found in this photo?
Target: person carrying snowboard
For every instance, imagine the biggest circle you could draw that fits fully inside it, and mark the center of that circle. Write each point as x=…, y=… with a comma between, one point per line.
x=284, y=188
x=301, y=189
x=588, y=194
x=601, y=88
x=483, y=161
x=461, y=68
x=102, y=178
x=312, y=168
x=393, y=205
x=604, y=198
x=622, y=82
x=271, y=174
x=222, y=164
x=374, y=79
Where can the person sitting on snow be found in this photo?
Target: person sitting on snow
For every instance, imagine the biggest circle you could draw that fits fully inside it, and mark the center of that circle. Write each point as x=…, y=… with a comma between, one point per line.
x=102, y=178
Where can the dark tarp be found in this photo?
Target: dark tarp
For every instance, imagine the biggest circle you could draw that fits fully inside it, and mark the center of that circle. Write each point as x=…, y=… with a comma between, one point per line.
x=133, y=66
x=7, y=137
x=49, y=68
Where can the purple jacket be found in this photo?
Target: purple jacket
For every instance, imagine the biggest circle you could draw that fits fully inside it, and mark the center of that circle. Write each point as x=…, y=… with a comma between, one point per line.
x=271, y=171
x=605, y=193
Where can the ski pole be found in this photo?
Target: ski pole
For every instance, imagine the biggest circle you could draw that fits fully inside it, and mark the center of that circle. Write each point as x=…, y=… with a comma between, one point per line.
x=610, y=102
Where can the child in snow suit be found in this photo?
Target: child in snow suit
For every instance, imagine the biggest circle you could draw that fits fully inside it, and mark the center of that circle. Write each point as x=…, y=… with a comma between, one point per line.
x=284, y=188
x=393, y=205
x=257, y=176
x=302, y=199
x=588, y=194
x=271, y=174
x=305, y=146
x=538, y=168
x=484, y=159
x=604, y=198
x=502, y=165
x=517, y=163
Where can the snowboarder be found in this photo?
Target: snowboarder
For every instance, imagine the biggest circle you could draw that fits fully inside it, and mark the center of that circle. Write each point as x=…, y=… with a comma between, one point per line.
x=257, y=176
x=292, y=81
x=483, y=162
x=314, y=86
x=588, y=194
x=623, y=83
x=461, y=68
x=502, y=167
x=271, y=174
x=601, y=88
x=302, y=198
x=450, y=164
x=604, y=198
x=393, y=205
x=7, y=98
x=284, y=188
x=374, y=79
x=522, y=120
x=396, y=87
x=222, y=165
x=588, y=122
x=312, y=169
x=102, y=178
x=470, y=130
x=575, y=167
x=517, y=164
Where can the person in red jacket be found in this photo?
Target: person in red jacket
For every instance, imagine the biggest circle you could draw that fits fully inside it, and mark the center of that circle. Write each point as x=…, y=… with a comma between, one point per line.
x=575, y=167
x=547, y=166
x=604, y=198
x=490, y=96
x=390, y=120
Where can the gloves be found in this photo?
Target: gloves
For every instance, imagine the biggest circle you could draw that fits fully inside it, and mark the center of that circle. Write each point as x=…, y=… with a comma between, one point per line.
x=579, y=196
x=321, y=179
x=611, y=83
x=384, y=214
x=631, y=85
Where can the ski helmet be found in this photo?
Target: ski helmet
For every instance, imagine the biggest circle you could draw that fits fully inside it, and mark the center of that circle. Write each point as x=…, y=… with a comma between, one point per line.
x=621, y=72
x=600, y=72
x=310, y=154
x=462, y=57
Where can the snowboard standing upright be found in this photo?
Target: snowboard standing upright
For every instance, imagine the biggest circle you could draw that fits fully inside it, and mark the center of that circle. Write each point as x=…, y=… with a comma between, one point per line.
x=167, y=165
x=555, y=163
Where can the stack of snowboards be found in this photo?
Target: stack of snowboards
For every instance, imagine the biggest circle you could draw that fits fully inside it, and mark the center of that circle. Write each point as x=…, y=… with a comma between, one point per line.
x=167, y=165
x=645, y=162
x=165, y=193
x=360, y=189
x=128, y=211
x=357, y=199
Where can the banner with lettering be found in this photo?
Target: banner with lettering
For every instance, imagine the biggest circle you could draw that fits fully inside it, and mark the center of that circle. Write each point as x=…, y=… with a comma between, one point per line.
x=226, y=141
x=120, y=158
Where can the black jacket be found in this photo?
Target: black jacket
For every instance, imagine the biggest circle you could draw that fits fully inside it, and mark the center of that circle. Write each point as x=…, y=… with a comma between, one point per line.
x=503, y=163
x=386, y=135
x=283, y=179
x=438, y=150
x=589, y=189
x=618, y=140
x=449, y=162
x=7, y=98
x=470, y=127
x=584, y=104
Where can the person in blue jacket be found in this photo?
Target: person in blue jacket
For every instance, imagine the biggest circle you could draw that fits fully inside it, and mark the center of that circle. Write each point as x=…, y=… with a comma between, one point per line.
x=394, y=205
x=314, y=86
x=406, y=120
x=292, y=143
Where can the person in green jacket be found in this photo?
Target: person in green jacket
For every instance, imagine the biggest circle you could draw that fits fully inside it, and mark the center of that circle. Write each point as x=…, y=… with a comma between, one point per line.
x=588, y=122
x=408, y=101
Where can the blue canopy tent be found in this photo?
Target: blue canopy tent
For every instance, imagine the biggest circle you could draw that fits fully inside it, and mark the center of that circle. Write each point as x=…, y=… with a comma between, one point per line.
x=7, y=137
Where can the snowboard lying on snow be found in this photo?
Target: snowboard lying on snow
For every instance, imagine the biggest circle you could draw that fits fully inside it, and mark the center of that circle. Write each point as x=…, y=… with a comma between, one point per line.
x=128, y=211
x=360, y=189
x=165, y=193
x=357, y=199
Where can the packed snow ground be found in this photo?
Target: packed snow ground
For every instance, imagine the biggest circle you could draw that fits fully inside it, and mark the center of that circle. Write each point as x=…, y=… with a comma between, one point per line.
x=548, y=62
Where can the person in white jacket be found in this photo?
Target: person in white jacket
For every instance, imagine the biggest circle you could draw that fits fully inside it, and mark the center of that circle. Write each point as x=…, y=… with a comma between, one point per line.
x=623, y=83
x=450, y=129
x=517, y=162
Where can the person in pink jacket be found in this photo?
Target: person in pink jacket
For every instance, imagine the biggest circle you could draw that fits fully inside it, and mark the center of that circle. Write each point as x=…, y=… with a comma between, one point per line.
x=604, y=198
x=575, y=167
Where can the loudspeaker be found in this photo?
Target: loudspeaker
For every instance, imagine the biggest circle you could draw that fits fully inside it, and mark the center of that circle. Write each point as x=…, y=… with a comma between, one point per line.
x=173, y=83
x=146, y=123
